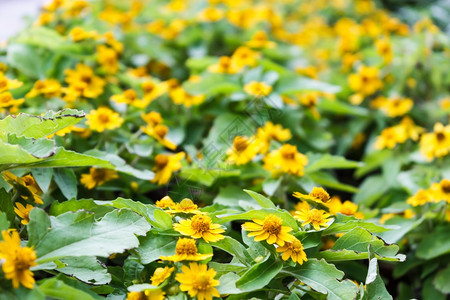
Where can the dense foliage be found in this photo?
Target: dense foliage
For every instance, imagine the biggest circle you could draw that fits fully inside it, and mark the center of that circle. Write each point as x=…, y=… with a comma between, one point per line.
x=181, y=149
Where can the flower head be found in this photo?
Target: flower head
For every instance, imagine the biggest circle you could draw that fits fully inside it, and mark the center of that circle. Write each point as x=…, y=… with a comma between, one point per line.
x=165, y=202
x=160, y=275
x=7, y=100
x=260, y=40
x=285, y=160
x=89, y=85
x=8, y=84
x=17, y=260
x=23, y=212
x=186, y=206
x=257, y=89
x=198, y=281
x=103, y=118
x=294, y=250
x=165, y=165
x=318, y=194
x=242, y=151
x=200, y=226
x=26, y=185
x=156, y=294
x=437, y=143
x=270, y=229
x=179, y=96
x=316, y=217
x=49, y=88
x=270, y=132
x=97, y=177
x=186, y=249
x=366, y=81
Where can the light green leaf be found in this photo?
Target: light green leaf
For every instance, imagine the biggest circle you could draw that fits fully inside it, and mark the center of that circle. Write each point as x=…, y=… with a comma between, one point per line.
x=440, y=282
x=38, y=226
x=43, y=177
x=434, y=244
x=259, y=275
x=114, y=233
x=294, y=84
x=375, y=288
x=337, y=107
x=67, y=182
x=324, y=278
x=233, y=247
x=271, y=185
x=86, y=268
x=319, y=162
x=371, y=190
x=213, y=84
x=57, y=289
x=153, y=245
x=163, y=219
x=327, y=180
x=263, y=201
x=6, y=206
x=4, y=223
x=349, y=224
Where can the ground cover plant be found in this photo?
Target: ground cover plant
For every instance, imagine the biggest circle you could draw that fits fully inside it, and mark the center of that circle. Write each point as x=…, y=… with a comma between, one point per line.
x=226, y=149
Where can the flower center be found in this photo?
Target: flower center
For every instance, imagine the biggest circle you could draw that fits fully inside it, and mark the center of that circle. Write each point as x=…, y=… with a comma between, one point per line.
x=86, y=78
x=272, y=225
x=202, y=282
x=201, y=223
x=440, y=136
x=161, y=130
x=321, y=194
x=186, y=247
x=288, y=152
x=161, y=161
x=103, y=118
x=3, y=83
x=240, y=143
x=445, y=186
x=99, y=175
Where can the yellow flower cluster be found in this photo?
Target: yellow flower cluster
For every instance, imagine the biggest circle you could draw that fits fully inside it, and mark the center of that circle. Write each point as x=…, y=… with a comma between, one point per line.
x=436, y=193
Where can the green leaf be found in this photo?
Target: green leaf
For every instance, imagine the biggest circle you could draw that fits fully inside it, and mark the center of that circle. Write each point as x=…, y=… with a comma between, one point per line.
x=263, y=201
x=26, y=59
x=43, y=177
x=41, y=148
x=319, y=162
x=373, y=161
x=259, y=275
x=348, y=224
x=261, y=214
x=6, y=206
x=38, y=226
x=271, y=185
x=86, y=268
x=233, y=247
x=57, y=289
x=327, y=180
x=375, y=288
x=324, y=278
x=434, y=244
x=58, y=208
x=36, y=127
x=371, y=190
x=337, y=107
x=403, y=227
x=294, y=84
x=154, y=245
x=440, y=282
x=140, y=208
x=213, y=84
x=67, y=182
x=163, y=219
x=114, y=233
x=4, y=223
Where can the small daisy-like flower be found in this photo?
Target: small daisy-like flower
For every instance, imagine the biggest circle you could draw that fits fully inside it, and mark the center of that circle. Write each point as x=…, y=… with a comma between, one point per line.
x=317, y=194
x=294, y=250
x=17, y=260
x=258, y=89
x=186, y=206
x=103, y=118
x=422, y=197
x=200, y=226
x=441, y=191
x=23, y=212
x=156, y=294
x=97, y=177
x=316, y=217
x=242, y=151
x=186, y=249
x=26, y=185
x=160, y=275
x=437, y=143
x=198, y=281
x=285, y=160
x=270, y=229
x=165, y=202
x=165, y=165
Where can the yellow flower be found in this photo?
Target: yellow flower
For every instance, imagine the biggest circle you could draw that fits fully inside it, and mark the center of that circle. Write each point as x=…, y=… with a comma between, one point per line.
x=97, y=177
x=437, y=143
x=225, y=66
x=317, y=194
x=441, y=191
x=108, y=58
x=271, y=132
x=294, y=250
x=244, y=56
x=257, y=89
x=7, y=100
x=26, y=186
x=165, y=202
x=83, y=77
x=389, y=138
x=165, y=165
x=180, y=96
x=8, y=84
x=23, y=212
x=260, y=40
x=17, y=260
x=153, y=118
x=210, y=14
x=128, y=97
x=156, y=294
x=384, y=49
x=270, y=229
x=385, y=217
x=200, y=226
x=186, y=249
x=422, y=197
x=49, y=88
x=366, y=81
x=115, y=44
x=408, y=214
x=309, y=71
x=242, y=151
x=285, y=160
x=103, y=118
x=186, y=206
x=347, y=208
x=78, y=34
x=316, y=217
x=159, y=133
x=198, y=281
x=160, y=275
x=151, y=91
x=396, y=107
